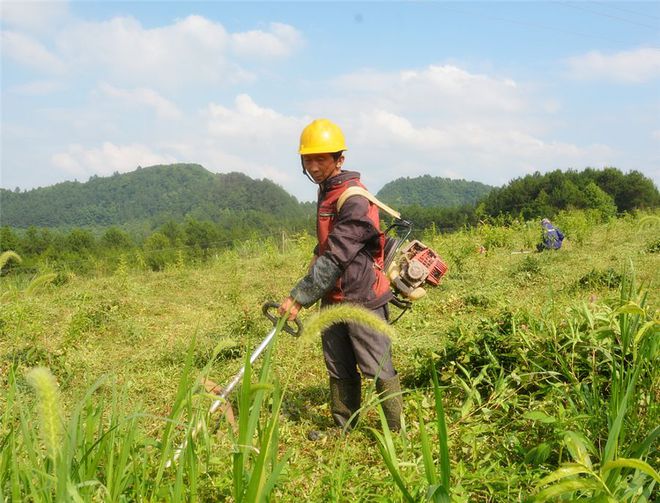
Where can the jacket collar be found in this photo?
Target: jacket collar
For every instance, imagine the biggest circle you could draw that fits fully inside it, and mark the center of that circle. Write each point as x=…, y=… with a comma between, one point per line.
x=342, y=177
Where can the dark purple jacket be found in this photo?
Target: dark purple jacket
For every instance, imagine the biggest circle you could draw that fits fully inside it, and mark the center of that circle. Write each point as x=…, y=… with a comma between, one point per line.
x=350, y=253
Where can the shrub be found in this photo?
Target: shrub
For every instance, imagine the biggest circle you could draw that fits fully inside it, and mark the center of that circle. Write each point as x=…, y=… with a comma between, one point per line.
x=158, y=252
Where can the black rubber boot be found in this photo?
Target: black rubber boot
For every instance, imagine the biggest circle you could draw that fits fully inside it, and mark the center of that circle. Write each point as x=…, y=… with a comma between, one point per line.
x=392, y=406
x=345, y=397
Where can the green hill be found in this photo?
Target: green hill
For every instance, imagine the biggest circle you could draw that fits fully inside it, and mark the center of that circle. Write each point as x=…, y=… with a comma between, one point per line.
x=608, y=190
x=153, y=194
x=432, y=191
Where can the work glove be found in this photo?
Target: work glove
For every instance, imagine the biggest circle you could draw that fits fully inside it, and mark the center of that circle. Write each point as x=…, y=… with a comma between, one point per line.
x=321, y=277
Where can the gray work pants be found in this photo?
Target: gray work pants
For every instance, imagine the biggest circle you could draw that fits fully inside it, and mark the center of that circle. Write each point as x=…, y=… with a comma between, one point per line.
x=349, y=346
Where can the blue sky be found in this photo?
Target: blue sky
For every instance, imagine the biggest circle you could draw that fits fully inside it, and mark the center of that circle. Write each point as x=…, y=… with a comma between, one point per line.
x=485, y=91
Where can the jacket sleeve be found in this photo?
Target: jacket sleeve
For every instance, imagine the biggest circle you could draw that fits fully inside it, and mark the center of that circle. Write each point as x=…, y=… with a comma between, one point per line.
x=350, y=234
x=319, y=280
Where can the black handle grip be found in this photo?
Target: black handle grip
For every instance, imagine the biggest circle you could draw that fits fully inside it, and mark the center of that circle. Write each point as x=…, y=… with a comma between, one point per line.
x=287, y=327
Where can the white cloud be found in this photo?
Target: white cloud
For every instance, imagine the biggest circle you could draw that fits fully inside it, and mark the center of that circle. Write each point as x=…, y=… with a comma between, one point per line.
x=35, y=16
x=248, y=127
x=453, y=123
x=37, y=88
x=447, y=121
x=281, y=41
x=107, y=159
x=436, y=90
x=121, y=49
x=264, y=140
x=191, y=50
x=247, y=121
x=440, y=109
x=163, y=107
x=438, y=120
x=468, y=150
x=633, y=66
x=30, y=52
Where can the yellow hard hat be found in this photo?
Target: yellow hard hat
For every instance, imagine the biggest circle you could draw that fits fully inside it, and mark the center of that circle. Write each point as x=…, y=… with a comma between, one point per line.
x=320, y=137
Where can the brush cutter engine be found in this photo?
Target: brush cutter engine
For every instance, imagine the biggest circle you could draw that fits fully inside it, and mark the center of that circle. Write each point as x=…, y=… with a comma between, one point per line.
x=407, y=268
x=413, y=266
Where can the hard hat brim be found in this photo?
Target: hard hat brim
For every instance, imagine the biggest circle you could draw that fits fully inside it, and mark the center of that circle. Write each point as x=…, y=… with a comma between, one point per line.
x=326, y=150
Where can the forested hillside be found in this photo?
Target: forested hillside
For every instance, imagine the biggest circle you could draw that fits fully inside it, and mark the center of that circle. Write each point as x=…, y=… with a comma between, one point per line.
x=154, y=194
x=231, y=206
x=609, y=191
x=432, y=191
x=603, y=193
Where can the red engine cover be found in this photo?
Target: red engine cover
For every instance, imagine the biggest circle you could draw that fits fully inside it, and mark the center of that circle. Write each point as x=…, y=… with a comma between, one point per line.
x=430, y=259
x=437, y=268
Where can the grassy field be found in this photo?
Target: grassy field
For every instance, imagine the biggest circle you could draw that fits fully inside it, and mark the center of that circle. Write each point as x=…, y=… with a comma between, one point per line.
x=545, y=360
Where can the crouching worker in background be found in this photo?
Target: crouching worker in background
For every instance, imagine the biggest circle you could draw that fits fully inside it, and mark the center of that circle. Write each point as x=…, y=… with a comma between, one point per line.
x=347, y=266
x=551, y=237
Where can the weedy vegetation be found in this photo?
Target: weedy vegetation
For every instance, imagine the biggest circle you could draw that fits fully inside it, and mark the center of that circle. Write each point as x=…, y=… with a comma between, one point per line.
x=527, y=377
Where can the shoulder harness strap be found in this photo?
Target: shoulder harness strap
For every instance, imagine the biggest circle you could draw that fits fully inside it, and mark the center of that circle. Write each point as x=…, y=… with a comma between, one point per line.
x=359, y=191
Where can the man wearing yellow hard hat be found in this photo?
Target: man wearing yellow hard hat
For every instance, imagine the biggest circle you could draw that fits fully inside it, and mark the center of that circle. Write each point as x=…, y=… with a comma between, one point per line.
x=347, y=267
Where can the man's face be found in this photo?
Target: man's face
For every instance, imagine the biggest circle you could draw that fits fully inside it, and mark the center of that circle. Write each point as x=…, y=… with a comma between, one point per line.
x=321, y=166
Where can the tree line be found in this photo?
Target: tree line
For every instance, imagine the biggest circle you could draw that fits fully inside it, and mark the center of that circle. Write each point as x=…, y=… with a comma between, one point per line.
x=432, y=191
x=150, y=195
x=81, y=249
x=543, y=195
x=605, y=193
x=162, y=240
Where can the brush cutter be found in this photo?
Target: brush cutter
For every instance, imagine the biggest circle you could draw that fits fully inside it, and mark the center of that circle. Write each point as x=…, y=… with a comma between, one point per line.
x=409, y=266
x=224, y=393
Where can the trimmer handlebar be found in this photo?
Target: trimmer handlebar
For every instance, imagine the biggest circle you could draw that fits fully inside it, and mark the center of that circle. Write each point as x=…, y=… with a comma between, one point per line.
x=295, y=331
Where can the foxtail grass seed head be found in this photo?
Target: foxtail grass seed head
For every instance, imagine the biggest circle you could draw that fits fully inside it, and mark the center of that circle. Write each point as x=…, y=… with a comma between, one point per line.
x=40, y=281
x=9, y=255
x=48, y=408
x=648, y=221
x=344, y=313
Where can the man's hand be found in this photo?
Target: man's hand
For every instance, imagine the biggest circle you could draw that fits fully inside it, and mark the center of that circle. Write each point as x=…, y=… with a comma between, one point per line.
x=289, y=304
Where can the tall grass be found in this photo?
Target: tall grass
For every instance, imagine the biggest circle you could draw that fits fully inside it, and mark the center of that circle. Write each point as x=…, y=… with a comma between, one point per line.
x=256, y=465
x=100, y=453
x=437, y=471
x=629, y=345
x=548, y=382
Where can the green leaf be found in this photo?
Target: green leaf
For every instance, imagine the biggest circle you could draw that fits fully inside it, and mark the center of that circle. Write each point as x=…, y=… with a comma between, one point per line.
x=565, y=470
x=427, y=456
x=577, y=448
x=438, y=494
x=615, y=430
x=445, y=467
x=642, y=331
x=642, y=448
x=538, y=454
x=392, y=465
x=635, y=464
x=629, y=308
x=567, y=487
x=537, y=415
